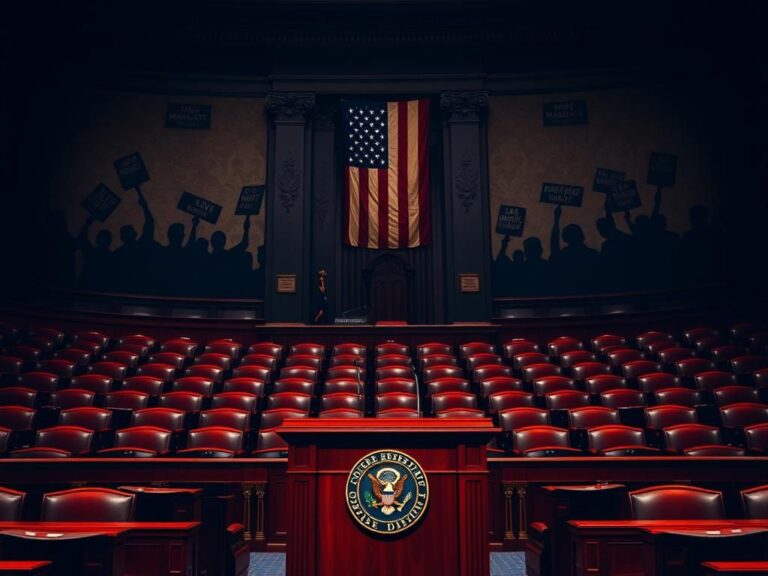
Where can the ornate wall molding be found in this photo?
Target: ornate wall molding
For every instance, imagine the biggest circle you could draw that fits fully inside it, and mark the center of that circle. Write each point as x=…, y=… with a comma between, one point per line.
x=289, y=107
x=464, y=106
x=322, y=195
x=288, y=182
x=466, y=181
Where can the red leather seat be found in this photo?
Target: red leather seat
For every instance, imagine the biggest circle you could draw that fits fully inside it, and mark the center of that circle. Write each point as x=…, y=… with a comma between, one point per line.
x=715, y=450
x=518, y=346
x=653, y=381
x=726, y=395
x=538, y=441
x=348, y=360
x=392, y=360
x=247, y=385
x=40, y=381
x=114, y=370
x=17, y=418
x=395, y=372
x=748, y=364
x=71, y=398
x=303, y=372
x=448, y=400
x=673, y=502
x=443, y=371
x=88, y=505
x=644, y=339
x=660, y=417
x=568, y=359
x=743, y=414
x=340, y=413
x=263, y=360
x=600, y=383
x=225, y=346
x=310, y=348
x=678, y=395
x=273, y=418
x=387, y=385
x=196, y=384
x=126, y=400
x=600, y=342
x=294, y=386
x=208, y=371
x=148, y=384
x=520, y=361
x=269, y=348
x=566, y=399
x=482, y=359
x=581, y=370
x=547, y=384
x=680, y=437
x=591, y=416
x=437, y=360
x=186, y=348
x=92, y=336
x=80, y=358
x=292, y=400
x=90, y=417
x=258, y=372
x=10, y=366
x=708, y=343
x=392, y=348
x=669, y=356
x=139, y=442
x=237, y=400
x=166, y=418
x=395, y=400
x=533, y=371
x=618, y=440
x=636, y=368
x=170, y=358
x=447, y=384
x=495, y=384
x=398, y=413
x=18, y=396
x=213, y=442
x=429, y=348
x=226, y=417
x=470, y=348
x=5, y=439
x=53, y=334
x=349, y=385
x=618, y=358
x=353, y=348
x=164, y=372
x=691, y=335
x=58, y=442
x=308, y=360
x=11, y=505
x=690, y=367
x=726, y=353
x=712, y=379
x=97, y=383
x=755, y=502
x=622, y=398
x=341, y=400
x=757, y=438
x=490, y=371
x=513, y=418
x=349, y=371
x=563, y=344
x=510, y=399
x=223, y=361
x=189, y=402
x=269, y=444
x=125, y=357
x=460, y=413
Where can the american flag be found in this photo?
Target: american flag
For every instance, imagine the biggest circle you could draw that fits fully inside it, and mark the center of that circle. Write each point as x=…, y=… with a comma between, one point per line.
x=386, y=174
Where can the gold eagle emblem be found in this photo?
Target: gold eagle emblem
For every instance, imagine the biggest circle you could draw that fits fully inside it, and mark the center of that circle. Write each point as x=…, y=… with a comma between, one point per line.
x=387, y=485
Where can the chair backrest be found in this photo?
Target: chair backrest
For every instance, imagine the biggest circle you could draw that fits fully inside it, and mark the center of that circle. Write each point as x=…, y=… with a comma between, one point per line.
x=148, y=384
x=269, y=444
x=514, y=418
x=547, y=384
x=483, y=359
x=11, y=505
x=216, y=438
x=181, y=400
x=637, y=368
x=680, y=437
x=40, y=381
x=448, y=384
x=429, y=348
x=268, y=348
x=689, y=367
x=757, y=437
x=525, y=440
x=518, y=346
x=490, y=371
x=308, y=348
x=95, y=382
x=209, y=371
x=568, y=359
x=566, y=399
x=533, y=371
x=293, y=400
x=18, y=396
x=654, y=381
x=658, y=417
x=392, y=348
x=226, y=417
x=294, y=386
x=583, y=370
x=563, y=344
x=734, y=394
x=151, y=438
x=341, y=400
x=470, y=348
x=90, y=417
x=237, y=400
x=167, y=418
x=273, y=418
x=591, y=416
x=126, y=399
x=73, y=439
x=442, y=371
x=622, y=398
x=163, y=371
x=196, y=384
x=448, y=400
x=509, y=399
x=215, y=359
x=524, y=359
x=755, y=502
x=678, y=395
x=603, y=382
x=495, y=384
x=253, y=386
x=355, y=349
x=88, y=505
x=395, y=400
x=743, y=414
x=612, y=436
x=71, y=398
x=170, y=358
x=17, y=417
x=674, y=502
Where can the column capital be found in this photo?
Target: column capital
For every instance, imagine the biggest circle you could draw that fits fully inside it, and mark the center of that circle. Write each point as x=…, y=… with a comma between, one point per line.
x=464, y=106
x=289, y=107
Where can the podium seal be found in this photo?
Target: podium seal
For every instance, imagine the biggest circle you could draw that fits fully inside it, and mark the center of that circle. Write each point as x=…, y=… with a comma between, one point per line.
x=387, y=492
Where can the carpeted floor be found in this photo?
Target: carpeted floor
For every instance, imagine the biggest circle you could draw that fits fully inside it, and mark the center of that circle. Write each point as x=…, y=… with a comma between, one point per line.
x=502, y=564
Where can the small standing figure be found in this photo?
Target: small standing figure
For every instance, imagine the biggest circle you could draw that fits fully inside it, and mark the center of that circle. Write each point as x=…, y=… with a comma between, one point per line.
x=322, y=297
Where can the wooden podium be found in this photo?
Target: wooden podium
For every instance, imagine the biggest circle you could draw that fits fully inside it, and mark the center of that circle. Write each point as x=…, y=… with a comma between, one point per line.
x=451, y=538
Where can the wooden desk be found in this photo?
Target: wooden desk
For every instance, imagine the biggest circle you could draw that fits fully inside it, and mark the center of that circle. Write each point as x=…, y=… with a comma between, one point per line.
x=656, y=547
x=25, y=567
x=147, y=548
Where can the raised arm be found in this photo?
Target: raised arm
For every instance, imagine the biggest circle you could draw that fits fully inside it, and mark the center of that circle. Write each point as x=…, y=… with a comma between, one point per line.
x=193, y=232
x=148, y=231
x=81, y=241
x=243, y=245
x=656, y=203
x=628, y=220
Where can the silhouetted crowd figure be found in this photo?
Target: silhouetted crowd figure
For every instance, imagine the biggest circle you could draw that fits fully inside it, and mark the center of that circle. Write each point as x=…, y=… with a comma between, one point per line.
x=141, y=265
x=650, y=256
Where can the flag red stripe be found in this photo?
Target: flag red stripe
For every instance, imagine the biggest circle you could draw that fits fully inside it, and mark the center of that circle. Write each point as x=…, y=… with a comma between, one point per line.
x=364, y=191
x=402, y=174
x=383, y=209
x=425, y=222
x=348, y=204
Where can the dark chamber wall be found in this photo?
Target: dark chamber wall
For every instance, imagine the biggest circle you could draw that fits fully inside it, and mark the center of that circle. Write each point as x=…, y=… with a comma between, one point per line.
x=77, y=142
